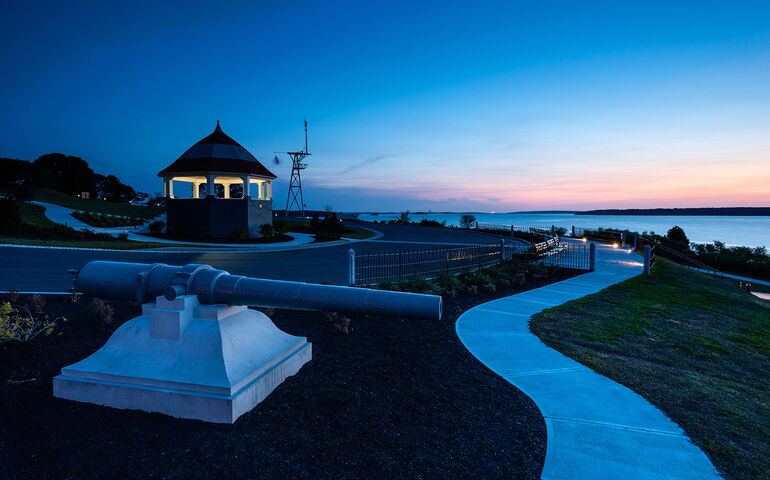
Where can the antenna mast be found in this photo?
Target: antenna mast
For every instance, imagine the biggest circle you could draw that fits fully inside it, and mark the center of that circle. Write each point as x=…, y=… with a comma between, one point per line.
x=294, y=197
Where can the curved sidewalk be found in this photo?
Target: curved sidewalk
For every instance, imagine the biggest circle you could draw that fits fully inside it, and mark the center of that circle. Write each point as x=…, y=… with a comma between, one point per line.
x=597, y=428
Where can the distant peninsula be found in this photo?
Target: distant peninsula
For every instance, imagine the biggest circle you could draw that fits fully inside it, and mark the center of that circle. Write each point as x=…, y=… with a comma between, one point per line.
x=711, y=211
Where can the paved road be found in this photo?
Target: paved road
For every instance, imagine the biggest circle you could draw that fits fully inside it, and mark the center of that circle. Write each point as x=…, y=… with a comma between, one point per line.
x=38, y=269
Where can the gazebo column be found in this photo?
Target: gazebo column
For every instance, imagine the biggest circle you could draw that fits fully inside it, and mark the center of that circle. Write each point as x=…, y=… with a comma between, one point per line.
x=170, y=187
x=226, y=190
x=196, y=190
x=268, y=190
x=246, y=187
x=212, y=192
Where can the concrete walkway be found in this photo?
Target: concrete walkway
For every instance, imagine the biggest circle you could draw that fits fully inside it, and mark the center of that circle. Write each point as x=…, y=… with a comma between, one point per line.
x=597, y=428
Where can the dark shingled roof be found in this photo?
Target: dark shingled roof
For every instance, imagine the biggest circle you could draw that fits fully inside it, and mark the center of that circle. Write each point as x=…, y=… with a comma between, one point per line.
x=217, y=153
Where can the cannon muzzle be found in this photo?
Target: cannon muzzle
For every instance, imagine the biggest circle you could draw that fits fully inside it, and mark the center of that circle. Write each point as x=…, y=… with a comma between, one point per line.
x=143, y=282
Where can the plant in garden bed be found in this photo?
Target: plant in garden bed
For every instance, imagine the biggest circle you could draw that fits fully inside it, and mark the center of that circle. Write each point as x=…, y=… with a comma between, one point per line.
x=21, y=324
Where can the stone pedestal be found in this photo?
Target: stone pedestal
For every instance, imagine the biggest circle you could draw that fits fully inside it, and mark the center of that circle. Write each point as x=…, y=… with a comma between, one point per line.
x=207, y=362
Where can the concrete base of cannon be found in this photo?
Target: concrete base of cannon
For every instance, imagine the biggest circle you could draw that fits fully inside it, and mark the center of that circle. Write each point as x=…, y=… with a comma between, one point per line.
x=207, y=362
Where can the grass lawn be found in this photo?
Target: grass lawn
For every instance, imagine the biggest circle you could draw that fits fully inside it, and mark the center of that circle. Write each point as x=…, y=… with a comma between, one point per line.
x=32, y=214
x=100, y=206
x=110, y=244
x=696, y=347
x=35, y=215
x=303, y=226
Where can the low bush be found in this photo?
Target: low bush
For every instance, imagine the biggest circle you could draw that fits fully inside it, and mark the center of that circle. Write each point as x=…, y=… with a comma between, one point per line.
x=431, y=223
x=100, y=310
x=266, y=230
x=467, y=221
x=157, y=227
x=10, y=220
x=18, y=323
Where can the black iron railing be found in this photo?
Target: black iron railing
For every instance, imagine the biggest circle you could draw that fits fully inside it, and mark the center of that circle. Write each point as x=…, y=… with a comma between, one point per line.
x=373, y=268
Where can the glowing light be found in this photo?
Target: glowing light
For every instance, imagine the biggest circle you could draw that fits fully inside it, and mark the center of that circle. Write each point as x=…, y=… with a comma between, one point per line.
x=584, y=239
x=615, y=245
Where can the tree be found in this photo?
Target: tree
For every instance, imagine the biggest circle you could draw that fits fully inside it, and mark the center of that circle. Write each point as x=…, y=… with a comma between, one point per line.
x=72, y=174
x=404, y=217
x=467, y=220
x=112, y=189
x=676, y=234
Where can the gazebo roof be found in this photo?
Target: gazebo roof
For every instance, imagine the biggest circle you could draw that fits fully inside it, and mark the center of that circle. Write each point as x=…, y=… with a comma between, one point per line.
x=217, y=153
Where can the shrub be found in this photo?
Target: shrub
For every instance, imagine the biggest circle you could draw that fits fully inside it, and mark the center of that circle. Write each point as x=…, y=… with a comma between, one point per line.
x=19, y=324
x=100, y=310
x=36, y=302
x=10, y=220
x=266, y=230
x=431, y=223
x=419, y=284
x=467, y=220
x=403, y=217
x=448, y=282
x=157, y=227
x=122, y=236
x=240, y=234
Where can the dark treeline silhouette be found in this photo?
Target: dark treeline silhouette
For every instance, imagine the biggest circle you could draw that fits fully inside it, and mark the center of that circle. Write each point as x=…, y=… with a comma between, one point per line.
x=732, y=211
x=64, y=173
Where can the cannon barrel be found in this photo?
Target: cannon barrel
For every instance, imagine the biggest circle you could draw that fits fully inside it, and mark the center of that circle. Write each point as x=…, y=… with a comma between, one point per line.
x=143, y=282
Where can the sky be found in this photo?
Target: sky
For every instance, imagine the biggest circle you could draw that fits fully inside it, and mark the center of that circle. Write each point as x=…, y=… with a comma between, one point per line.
x=447, y=106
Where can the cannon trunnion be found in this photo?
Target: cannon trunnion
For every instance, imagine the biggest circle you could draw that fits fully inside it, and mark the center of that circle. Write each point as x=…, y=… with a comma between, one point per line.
x=196, y=351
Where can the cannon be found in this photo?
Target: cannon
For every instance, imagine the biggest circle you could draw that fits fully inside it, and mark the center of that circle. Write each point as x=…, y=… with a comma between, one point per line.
x=141, y=281
x=197, y=351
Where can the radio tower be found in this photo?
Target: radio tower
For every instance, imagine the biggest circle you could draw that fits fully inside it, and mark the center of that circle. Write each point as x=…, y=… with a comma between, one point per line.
x=295, y=182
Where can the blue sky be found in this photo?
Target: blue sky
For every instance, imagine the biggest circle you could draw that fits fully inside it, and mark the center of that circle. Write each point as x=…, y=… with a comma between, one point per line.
x=443, y=105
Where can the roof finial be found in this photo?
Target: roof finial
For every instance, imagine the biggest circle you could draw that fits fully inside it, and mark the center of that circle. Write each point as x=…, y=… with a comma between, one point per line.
x=218, y=127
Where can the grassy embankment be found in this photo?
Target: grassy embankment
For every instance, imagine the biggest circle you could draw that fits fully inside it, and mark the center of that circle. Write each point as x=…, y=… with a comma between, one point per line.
x=100, y=206
x=695, y=346
x=303, y=226
x=34, y=215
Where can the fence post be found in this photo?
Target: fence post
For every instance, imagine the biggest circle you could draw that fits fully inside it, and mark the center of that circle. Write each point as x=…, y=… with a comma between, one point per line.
x=512, y=230
x=573, y=231
x=636, y=240
x=477, y=225
x=351, y=267
x=622, y=239
x=592, y=258
x=502, y=250
x=647, y=254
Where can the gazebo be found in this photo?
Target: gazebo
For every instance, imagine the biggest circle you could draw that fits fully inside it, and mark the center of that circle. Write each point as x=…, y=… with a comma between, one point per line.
x=231, y=192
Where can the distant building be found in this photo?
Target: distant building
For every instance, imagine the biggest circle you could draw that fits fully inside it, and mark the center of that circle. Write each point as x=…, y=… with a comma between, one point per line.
x=231, y=191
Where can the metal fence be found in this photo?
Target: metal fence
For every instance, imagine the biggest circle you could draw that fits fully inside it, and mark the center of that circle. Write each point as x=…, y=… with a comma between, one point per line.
x=494, y=227
x=599, y=235
x=387, y=266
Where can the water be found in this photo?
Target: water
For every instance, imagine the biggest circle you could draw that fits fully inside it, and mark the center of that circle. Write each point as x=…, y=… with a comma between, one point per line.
x=747, y=231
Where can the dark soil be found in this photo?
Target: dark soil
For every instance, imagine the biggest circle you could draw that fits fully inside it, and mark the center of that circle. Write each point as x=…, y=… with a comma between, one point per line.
x=394, y=398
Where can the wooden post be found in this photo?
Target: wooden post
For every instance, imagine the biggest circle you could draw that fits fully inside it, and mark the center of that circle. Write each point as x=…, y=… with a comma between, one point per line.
x=351, y=267
x=647, y=255
x=592, y=258
x=573, y=231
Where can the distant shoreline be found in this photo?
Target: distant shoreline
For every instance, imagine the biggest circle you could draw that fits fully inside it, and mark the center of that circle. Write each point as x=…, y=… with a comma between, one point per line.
x=705, y=211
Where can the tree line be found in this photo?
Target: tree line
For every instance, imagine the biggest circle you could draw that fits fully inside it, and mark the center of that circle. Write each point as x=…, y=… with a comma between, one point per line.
x=65, y=173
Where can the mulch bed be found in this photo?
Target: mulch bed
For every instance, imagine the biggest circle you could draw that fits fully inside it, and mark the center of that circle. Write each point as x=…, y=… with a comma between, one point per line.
x=394, y=398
